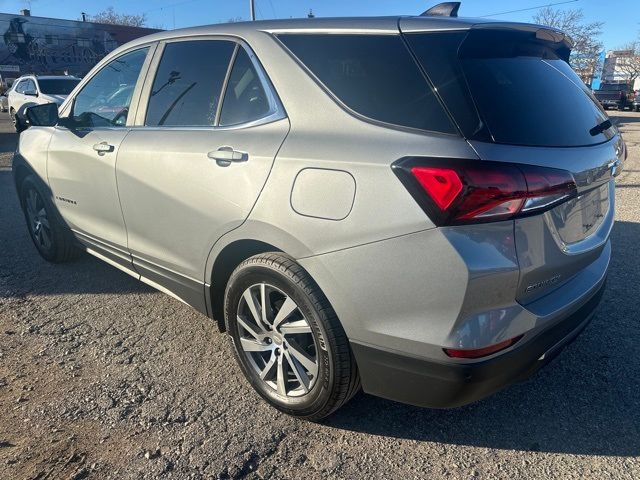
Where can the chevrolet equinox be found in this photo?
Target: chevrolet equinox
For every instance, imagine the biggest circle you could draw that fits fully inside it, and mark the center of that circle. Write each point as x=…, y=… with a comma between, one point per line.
x=418, y=207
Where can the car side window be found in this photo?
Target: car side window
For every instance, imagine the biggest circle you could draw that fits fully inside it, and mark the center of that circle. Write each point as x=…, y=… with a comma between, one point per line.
x=188, y=84
x=245, y=99
x=30, y=86
x=105, y=100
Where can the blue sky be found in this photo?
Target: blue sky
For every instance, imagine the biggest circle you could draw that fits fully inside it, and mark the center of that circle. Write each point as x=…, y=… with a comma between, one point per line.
x=621, y=17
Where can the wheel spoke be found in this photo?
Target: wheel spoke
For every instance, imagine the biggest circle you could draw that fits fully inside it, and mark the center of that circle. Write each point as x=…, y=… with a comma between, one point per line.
x=263, y=303
x=45, y=222
x=253, y=346
x=307, y=362
x=31, y=206
x=300, y=374
x=268, y=367
x=299, y=326
x=46, y=241
x=287, y=308
x=251, y=303
x=249, y=328
x=280, y=381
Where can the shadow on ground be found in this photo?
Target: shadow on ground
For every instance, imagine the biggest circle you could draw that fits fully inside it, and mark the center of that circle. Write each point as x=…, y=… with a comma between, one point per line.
x=586, y=402
x=23, y=272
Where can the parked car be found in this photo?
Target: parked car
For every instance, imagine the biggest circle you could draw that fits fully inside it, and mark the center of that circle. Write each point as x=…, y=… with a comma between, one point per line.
x=636, y=101
x=615, y=95
x=37, y=90
x=4, y=103
x=348, y=224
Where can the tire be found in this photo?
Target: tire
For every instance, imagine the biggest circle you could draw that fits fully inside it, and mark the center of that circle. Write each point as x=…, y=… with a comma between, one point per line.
x=50, y=235
x=308, y=324
x=17, y=124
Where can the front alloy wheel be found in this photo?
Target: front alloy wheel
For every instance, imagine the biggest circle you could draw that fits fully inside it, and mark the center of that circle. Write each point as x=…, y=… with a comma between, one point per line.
x=37, y=219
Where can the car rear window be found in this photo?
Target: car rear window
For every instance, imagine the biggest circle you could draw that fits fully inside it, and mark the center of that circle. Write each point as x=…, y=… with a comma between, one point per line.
x=373, y=75
x=510, y=85
x=57, y=86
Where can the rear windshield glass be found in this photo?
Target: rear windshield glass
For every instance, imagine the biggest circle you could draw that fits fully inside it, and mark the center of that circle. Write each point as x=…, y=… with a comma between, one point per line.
x=522, y=91
x=61, y=86
x=613, y=87
x=374, y=75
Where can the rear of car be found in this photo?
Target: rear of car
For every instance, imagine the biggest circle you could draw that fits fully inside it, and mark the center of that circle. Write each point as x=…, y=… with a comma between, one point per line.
x=515, y=248
x=613, y=95
x=55, y=89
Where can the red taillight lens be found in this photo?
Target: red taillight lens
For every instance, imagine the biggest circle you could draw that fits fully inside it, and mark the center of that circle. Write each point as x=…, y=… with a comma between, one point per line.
x=443, y=184
x=464, y=191
x=481, y=352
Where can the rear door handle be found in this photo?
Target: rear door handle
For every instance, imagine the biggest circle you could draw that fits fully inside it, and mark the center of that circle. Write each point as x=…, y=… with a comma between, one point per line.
x=103, y=147
x=224, y=156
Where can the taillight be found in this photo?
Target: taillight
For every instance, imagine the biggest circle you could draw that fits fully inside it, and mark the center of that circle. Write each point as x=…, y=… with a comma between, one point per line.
x=453, y=191
x=481, y=352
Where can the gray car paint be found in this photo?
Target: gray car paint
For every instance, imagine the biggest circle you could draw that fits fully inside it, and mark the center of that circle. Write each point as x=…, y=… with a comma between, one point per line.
x=395, y=280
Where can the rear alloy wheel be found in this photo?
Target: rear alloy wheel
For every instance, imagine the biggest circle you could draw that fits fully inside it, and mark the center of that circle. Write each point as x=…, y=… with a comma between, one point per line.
x=277, y=340
x=287, y=338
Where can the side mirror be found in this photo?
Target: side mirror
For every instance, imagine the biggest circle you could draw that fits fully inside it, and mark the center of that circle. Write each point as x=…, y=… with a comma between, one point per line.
x=42, y=115
x=31, y=93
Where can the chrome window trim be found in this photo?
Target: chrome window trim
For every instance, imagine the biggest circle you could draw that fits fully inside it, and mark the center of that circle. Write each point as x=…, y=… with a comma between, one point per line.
x=276, y=109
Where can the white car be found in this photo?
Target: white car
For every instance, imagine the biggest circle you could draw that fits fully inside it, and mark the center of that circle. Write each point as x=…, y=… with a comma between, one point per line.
x=37, y=90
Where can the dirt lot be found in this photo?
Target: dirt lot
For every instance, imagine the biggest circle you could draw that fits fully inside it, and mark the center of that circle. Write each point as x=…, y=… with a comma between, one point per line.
x=103, y=377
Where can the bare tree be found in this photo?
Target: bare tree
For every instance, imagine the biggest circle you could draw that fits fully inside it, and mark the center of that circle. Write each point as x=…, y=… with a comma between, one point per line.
x=112, y=17
x=628, y=62
x=586, y=54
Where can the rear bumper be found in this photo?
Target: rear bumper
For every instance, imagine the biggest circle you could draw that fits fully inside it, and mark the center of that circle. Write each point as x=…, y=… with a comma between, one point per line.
x=432, y=384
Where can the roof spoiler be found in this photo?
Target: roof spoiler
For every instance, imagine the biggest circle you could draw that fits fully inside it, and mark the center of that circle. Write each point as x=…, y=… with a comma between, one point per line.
x=445, y=9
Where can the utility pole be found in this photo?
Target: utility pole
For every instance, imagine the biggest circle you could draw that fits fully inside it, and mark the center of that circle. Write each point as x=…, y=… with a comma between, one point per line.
x=252, y=10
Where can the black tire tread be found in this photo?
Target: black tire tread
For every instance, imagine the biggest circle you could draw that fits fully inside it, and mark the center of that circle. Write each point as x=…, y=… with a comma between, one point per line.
x=347, y=382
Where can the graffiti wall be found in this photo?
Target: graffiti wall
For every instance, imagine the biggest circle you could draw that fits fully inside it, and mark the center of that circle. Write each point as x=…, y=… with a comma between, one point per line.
x=53, y=46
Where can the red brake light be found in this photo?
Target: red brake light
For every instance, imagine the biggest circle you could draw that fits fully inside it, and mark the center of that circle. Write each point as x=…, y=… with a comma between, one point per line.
x=481, y=352
x=443, y=184
x=467, y=191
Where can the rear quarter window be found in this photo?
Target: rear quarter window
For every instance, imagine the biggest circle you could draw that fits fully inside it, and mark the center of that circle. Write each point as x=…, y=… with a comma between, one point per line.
x=373, y=75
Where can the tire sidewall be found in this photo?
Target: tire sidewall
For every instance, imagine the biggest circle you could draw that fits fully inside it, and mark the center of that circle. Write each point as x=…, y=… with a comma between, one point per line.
x=313, y=401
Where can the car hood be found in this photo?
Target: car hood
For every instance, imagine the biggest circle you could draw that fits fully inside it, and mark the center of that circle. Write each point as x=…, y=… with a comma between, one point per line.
x=54, y=98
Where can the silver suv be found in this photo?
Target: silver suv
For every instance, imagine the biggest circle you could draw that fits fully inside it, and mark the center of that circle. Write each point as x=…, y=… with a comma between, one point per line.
x=392, y=204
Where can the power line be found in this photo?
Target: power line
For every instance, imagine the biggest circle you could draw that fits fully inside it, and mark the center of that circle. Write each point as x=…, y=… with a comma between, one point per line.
x=275, y=15
x=526, y=9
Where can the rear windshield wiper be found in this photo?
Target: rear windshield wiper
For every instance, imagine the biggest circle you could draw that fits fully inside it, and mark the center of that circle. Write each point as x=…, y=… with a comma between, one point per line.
x=601, y=127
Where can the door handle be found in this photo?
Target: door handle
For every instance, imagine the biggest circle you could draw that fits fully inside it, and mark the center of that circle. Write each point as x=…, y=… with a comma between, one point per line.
x=224, y=156
x=103, y=147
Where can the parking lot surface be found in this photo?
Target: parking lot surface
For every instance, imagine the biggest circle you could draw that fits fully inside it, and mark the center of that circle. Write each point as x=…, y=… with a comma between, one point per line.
x=104, y=377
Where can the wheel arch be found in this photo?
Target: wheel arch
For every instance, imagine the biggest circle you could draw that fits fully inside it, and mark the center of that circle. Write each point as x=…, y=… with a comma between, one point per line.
x=225, y=263
x=252, y=238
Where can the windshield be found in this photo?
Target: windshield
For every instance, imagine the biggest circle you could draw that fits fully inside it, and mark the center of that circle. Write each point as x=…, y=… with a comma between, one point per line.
x=57, y=86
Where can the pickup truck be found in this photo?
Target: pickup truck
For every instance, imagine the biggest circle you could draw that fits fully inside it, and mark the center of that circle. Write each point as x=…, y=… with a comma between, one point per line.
x=616, y=95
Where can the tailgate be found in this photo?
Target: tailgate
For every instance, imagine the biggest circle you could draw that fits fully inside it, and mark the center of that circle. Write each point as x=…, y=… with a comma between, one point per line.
x=552, y=247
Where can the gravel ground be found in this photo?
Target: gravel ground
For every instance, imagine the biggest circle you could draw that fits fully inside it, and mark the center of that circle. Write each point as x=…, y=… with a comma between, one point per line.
x=103, y=377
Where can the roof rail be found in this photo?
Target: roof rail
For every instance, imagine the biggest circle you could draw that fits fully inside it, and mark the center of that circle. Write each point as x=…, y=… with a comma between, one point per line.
x=445, y=9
